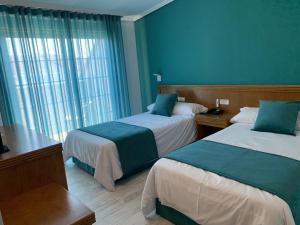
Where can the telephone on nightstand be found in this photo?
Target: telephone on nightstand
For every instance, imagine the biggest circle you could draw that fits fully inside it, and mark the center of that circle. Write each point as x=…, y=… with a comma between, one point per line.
x=215, y=111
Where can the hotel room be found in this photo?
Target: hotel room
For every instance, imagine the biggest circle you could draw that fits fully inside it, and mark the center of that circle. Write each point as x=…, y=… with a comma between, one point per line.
x=153, y=112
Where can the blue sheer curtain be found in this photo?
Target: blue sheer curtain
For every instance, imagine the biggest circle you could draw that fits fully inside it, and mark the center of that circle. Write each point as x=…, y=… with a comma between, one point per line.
x=61, y=70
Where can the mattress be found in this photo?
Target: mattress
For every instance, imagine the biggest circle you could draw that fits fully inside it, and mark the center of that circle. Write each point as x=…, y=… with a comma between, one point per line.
x=210, y=199
x=170, y=133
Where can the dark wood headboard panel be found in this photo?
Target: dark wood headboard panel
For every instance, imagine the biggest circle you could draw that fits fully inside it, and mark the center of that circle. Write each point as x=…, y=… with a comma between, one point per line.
x=238, y=95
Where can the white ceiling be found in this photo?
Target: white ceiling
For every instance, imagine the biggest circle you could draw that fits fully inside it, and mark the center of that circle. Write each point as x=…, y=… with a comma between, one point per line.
x=112, y=7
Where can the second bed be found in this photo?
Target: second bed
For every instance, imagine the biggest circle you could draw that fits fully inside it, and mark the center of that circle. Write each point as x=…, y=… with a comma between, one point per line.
x=99, y=155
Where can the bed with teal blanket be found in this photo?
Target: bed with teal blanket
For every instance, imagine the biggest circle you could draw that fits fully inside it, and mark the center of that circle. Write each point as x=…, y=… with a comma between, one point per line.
x=136, y=145
x=115, y=150
x=272, y=173
x=277, y=175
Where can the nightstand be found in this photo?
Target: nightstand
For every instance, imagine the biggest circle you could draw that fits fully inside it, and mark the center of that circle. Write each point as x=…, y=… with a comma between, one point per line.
x=209, y=124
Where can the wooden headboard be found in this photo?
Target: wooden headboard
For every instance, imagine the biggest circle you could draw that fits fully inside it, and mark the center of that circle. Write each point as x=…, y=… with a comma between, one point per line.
x=238, y=95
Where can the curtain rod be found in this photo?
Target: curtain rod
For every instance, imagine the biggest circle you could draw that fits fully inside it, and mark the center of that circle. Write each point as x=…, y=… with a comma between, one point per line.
x=70, y=11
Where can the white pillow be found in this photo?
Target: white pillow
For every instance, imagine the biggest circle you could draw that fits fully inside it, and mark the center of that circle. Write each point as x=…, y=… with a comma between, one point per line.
x=247, y=115
x=184, y=108
x=150, y=107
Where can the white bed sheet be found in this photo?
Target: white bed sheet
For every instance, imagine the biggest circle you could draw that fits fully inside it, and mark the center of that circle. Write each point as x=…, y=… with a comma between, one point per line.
x=100, y=153
x=210, y=199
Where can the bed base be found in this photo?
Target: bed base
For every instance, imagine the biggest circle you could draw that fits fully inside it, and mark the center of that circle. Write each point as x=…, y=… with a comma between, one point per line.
x=173, y=215
x=91, y=170
x=83, y=166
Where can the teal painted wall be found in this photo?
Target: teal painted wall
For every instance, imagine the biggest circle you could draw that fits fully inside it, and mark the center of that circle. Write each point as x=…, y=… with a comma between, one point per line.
x=220, y=42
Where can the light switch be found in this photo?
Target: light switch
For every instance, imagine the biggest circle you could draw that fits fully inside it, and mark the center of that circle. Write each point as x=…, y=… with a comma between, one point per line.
x=181, y=99
x=224, y=101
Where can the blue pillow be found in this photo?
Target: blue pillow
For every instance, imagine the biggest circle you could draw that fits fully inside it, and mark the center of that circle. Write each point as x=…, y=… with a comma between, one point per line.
x=277, y=117
x=164, y=104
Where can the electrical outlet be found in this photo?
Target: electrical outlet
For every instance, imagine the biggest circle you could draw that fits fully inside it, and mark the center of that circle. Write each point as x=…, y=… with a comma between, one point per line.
x=224, y=101
x=181, y=99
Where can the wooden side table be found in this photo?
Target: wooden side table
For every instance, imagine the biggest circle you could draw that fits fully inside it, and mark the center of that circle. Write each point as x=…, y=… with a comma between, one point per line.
x=47, y=205
x=209, y=124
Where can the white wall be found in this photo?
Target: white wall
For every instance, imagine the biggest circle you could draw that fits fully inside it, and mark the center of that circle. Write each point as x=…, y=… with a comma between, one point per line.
x=131, y=61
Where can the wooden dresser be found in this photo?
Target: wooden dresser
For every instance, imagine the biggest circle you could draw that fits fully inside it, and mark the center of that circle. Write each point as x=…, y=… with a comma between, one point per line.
x=33, y=161
x=33, y=185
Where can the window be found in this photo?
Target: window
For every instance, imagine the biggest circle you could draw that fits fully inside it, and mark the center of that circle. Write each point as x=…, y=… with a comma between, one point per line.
x=65, y=70
x=50, y=65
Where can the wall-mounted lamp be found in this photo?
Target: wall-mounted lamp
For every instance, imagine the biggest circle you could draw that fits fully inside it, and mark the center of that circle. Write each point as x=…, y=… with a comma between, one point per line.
x=158, y=77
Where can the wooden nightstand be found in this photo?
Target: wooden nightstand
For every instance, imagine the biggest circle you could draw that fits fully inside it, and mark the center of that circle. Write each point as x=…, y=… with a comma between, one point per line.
x=209, y=124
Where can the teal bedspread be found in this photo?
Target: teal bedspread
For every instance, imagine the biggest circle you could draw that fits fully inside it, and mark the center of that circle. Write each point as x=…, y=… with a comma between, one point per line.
x=136, y=145
x=272, y=173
